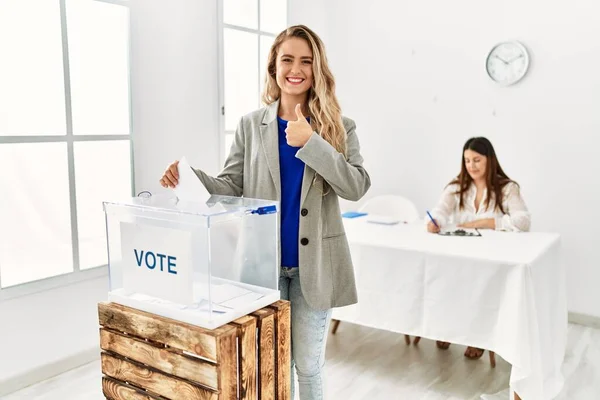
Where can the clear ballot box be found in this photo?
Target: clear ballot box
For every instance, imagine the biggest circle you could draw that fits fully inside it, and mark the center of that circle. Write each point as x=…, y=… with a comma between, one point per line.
x=201, y=263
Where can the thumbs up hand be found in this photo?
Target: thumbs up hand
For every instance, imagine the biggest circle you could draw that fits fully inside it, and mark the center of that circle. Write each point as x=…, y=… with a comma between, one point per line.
x=298, y=132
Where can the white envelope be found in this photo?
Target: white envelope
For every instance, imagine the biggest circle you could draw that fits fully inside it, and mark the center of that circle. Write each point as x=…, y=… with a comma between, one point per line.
x=189, y=187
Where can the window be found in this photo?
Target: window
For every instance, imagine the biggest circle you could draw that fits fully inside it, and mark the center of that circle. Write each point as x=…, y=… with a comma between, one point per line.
x=65, y=137
x=249, y=28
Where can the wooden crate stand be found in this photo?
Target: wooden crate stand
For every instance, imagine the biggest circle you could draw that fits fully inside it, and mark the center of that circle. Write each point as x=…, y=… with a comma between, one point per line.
x=146, y=356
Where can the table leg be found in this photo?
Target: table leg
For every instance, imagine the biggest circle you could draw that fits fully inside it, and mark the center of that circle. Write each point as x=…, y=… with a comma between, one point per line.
x=492, y=359
x=336, y=323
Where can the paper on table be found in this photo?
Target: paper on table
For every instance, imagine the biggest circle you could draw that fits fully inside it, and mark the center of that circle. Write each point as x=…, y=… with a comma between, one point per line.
x=382, y=219
x=227, y=297
x=241, y=300
x=221, y=293
x=203, y=306
x=189, y=187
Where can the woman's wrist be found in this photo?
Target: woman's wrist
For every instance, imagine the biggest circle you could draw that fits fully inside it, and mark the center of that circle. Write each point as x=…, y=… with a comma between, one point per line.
x=486, y=223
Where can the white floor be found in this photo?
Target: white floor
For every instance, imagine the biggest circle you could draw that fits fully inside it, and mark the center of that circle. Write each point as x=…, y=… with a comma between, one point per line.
x=364, y=363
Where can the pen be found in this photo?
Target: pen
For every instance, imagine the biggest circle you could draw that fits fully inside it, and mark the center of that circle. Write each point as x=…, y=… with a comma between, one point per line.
x=432, y=220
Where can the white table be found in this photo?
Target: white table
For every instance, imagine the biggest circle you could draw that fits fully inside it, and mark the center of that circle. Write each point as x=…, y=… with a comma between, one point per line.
x=504, y=292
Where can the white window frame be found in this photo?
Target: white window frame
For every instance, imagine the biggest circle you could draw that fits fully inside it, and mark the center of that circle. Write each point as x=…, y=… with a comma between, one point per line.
x=221, y=57
x=77, y=275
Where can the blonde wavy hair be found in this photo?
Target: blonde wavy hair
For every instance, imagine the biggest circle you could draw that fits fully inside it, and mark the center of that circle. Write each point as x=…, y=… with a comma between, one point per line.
x=323, y=106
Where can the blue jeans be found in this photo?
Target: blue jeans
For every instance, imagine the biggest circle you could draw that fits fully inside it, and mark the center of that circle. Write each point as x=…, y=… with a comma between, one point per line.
x=309, y=336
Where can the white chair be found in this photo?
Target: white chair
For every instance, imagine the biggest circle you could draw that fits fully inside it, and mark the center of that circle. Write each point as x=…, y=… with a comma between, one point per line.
x=389, y=205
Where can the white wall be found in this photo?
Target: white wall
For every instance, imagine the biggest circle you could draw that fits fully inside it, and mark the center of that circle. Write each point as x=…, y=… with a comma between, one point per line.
x=175, y=112
x=412, y=74
x=174, y=87
x=47, y=332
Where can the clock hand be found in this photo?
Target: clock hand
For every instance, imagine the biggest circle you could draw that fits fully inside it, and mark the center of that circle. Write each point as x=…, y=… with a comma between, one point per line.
x=515, y=58
x=501, y=59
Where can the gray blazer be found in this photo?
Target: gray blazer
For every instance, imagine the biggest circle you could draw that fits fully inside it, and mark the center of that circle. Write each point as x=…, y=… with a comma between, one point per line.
x=252, y=170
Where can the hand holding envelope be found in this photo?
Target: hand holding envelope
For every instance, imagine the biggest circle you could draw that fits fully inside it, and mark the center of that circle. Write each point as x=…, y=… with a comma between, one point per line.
x=180, y=177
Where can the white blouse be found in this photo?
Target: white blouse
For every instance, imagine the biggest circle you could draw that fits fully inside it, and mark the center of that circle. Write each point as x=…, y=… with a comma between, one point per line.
x=517, y=217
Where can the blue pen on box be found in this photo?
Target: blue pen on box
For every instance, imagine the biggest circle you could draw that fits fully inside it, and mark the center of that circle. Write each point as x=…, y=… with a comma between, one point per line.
x=432, y=220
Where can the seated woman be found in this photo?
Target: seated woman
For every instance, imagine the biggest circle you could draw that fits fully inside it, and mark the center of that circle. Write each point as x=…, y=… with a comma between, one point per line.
x=482, y=196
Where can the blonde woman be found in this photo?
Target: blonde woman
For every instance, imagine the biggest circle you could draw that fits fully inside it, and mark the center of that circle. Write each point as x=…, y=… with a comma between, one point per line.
x=301, y=151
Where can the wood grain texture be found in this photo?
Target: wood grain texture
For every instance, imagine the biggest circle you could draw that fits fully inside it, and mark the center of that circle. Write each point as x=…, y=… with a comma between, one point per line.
x=246, y=357
x=283, y=353
x=193, y=339
x=227, y=356
x=154, y=381
x=117, y=390
x=161, y=358
x=266, y=353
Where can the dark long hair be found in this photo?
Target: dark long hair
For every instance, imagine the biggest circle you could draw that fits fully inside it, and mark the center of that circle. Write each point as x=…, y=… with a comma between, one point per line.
x=495, y=180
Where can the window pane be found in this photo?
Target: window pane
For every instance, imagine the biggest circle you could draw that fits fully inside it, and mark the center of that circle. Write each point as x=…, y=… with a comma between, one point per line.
x=32, y=95
x=98, y=61
x=273, y=15
x=265, y=46
x=228, y=143
x=102, y=172
x=35, y=233
x=241, y=12
x=240, y=76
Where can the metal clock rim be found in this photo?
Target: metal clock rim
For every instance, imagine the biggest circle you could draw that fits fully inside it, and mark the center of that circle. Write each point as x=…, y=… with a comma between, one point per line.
x=525, y=51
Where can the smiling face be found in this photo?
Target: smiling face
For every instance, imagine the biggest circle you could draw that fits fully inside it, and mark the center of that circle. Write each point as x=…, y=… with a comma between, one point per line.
x=294, y=67
x=476, y=164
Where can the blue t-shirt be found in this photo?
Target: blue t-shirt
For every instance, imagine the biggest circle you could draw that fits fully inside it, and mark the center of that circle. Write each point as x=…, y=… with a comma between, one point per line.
x=292, y=172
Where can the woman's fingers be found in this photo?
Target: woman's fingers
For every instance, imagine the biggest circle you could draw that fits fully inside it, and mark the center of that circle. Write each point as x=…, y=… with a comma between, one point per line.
x=174, y=169
x=171, y=177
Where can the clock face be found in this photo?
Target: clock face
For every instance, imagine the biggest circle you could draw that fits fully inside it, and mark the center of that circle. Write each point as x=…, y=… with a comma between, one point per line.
x=507, y=63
